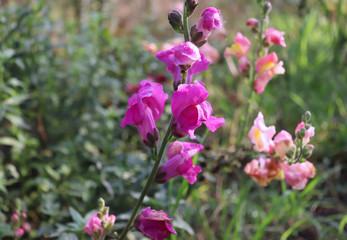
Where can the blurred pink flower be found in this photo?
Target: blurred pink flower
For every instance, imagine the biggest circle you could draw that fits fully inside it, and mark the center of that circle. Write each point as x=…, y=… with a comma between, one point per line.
x=26, y=226
x=210, y=53
x=296, y=174
x=266, y=67
x=185, y=55
x=18, y=233
x=283, y=142
x=154, y=224
x=150, y=47
x=261, y=135
x=239, y=49
x=210, y=19
x=93, y=226
x=180, y=162
x=252, y=22
x=131, y=88
x=263, y=170
x=14, y=218
x=273, y=36
x=309, y=133
x=190, y=109
x=145, y=107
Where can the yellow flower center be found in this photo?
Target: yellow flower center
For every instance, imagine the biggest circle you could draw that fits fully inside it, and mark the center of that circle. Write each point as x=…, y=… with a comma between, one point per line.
x=267, y=66
x=258, y=141
x=236, y=49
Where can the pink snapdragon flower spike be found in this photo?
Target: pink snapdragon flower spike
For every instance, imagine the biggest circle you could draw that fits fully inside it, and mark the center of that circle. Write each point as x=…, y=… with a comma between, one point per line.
x=263, y=170
x=296, y=174
x=239, y=49
x=146, y=107
x=154, y=224
x=185, y=55
x=266, y=67
x=18, y=233
x=273, y=36
x=210, y=19
x=180, y=162
x=261, y=135
x=190, y=109
x=93, y=227
x=309, y=133
x=283, y=142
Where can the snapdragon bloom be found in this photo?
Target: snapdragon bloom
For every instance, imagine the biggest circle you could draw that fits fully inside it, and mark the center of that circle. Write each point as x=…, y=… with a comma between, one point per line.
x=252, y=23
x=239, y=49
x=296, y=174
x=283, y=142
x=261, y=135
x=145, y=107
x=266, y=67
x=210, y=53
x=154, y=224
x=309, y=133
x=263, y=170
x=273, y=36
x=190, y=109
x=93, y=226
x=210, y=19
x=18, y=233
x=180, y=162
x=184, y=56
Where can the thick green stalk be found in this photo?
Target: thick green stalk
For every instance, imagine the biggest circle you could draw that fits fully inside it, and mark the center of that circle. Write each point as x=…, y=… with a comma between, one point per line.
x=149, y=181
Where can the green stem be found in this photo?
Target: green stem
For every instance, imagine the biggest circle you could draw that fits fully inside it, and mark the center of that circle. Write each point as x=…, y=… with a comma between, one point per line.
x=149, y=181
x=185, y=24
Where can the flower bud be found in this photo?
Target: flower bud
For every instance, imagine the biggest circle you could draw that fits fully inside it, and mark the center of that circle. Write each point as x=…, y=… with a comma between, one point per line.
x=18, y=233
x=301, y=133
x=175, y=20
x=267, y=8
x=14, y=218
x=152, y=139
x=253, y=24
x=307, y=116
x=292, y=151
x=307, y=151
x=108, y=222
x=190, y=6
x=24, y=215
x=195, y=35
x=101, y=203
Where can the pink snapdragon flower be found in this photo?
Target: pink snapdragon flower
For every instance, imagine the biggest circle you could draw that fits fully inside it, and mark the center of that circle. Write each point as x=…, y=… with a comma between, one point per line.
x=239, y=49
x=183, y=56
x=190, y=109
x=15, y=218
x=93, y=226
x=18, y=233
x=266, y=67
x=180, y=162
x=26, y=226
x=154, y=224
x=145, y=107
x=210, y=19
x=252, y=23
x=263, y=170
x=296, y=174
x=309, y=133
x=261, y=135
x=283, y=142
x=273, y=36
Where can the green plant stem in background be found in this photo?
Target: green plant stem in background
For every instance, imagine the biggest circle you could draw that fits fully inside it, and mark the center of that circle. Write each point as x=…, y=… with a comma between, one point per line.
x=149, y=181
x=185, y=23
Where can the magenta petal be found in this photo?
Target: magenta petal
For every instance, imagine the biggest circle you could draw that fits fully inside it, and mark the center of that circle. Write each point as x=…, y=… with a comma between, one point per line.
x=198, y=66
x=189, y=171
x=214, y=123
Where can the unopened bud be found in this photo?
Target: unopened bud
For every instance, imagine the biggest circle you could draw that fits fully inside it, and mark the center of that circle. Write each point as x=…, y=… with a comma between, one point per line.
x=101, y=203
x=267, y=8
x=291, y=152
x=301, y=133
x=190, y=6
x=253, y=24
x=307, y=151
x=307, y=116
x=175, y=20
x=24, y=215
x=14, y=218
x=152, y=139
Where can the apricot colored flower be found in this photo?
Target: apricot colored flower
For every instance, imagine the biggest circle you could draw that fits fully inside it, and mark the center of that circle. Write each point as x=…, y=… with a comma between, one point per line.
x=261, y=135
x=283, y=142
x=266, y=68
x=296, y=174
x=239, y=49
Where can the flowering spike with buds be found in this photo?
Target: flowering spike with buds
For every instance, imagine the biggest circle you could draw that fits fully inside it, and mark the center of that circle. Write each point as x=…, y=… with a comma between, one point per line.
x=190, y=5
x=175, y=20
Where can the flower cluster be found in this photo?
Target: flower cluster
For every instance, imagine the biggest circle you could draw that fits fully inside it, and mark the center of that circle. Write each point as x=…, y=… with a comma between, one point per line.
x=101, y=223
x=19, y=224
x=189, y=106
x=283, y=157
x=267, y=64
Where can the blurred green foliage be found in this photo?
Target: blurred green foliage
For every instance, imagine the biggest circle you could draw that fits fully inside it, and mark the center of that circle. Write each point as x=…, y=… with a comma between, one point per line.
x=62, y=98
